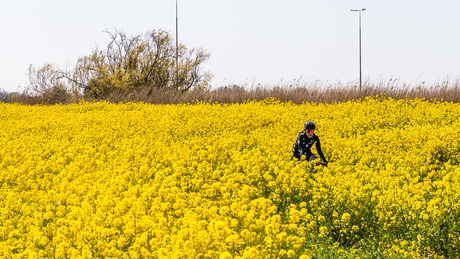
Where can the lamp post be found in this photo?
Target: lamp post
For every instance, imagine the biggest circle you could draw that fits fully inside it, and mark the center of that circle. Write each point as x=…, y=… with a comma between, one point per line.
x=360, y=72
x=177, y=49
x=177, y=37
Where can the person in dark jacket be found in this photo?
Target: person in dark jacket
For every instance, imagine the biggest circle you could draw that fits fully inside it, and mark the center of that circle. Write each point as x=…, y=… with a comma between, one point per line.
x=305, y=141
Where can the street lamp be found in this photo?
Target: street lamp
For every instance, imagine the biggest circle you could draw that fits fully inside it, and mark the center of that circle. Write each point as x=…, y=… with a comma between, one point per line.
x=177, y=46
x=360, y=73
x=177, y=36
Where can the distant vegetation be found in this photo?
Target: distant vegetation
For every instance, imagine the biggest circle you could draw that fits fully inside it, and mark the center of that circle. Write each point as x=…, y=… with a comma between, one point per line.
x=294, y=91
x=127, y=65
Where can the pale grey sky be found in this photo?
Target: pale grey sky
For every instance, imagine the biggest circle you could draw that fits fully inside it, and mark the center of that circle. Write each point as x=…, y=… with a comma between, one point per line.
x=251, y=42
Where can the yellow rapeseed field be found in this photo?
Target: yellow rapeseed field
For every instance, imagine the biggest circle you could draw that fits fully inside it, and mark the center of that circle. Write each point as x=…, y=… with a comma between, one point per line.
x=202, y=180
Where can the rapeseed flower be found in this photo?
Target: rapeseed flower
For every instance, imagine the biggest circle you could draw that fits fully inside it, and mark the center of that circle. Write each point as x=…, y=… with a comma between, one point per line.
x=215, y=180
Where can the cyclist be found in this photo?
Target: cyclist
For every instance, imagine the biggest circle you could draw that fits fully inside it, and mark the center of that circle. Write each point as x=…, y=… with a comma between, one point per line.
x=305, y=141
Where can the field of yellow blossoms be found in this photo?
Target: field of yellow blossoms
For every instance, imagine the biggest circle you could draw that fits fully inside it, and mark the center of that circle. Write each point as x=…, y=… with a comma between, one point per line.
x=202, y=180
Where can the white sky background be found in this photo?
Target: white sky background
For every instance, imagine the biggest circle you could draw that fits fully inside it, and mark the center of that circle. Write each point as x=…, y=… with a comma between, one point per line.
x=251, y=42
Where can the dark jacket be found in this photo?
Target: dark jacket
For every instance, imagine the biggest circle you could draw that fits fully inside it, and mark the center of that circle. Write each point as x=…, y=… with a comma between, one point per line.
x=303, y=145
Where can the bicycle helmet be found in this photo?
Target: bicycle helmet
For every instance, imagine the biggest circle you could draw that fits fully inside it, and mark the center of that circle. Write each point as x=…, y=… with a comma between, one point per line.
x=309, y=125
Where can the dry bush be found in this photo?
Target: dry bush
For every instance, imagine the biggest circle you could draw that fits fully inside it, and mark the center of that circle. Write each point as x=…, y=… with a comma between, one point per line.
x=332, y=93
x=319, y=92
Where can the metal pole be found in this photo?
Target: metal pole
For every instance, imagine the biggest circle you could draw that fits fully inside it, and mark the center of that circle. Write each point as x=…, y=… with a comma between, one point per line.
x=177, y=49
x=360, y=68
x=177, y=37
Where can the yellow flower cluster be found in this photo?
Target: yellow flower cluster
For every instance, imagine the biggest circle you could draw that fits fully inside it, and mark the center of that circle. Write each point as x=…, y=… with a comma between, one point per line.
x=134, y=180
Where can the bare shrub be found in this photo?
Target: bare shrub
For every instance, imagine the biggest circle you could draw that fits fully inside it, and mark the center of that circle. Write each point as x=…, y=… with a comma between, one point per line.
x=127, y=65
